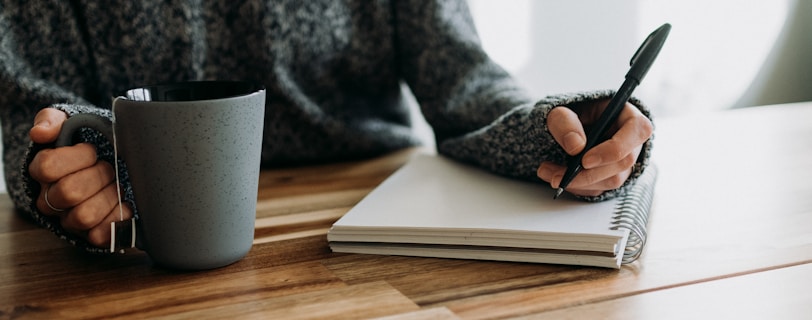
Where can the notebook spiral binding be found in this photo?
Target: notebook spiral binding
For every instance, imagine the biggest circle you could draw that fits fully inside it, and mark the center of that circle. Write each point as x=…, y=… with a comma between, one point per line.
x=632, y=214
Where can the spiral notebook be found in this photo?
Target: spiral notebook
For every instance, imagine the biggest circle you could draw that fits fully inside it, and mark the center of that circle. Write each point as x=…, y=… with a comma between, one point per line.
x=436, y=207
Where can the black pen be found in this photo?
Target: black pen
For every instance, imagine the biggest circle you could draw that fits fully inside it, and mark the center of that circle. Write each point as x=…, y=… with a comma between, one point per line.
x=640, y=63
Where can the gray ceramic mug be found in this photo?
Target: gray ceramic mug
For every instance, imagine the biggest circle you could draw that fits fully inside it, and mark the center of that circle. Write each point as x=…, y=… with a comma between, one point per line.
x=192, y=152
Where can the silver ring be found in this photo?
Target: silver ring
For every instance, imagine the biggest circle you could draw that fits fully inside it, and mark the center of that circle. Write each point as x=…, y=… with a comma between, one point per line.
x=48, y=203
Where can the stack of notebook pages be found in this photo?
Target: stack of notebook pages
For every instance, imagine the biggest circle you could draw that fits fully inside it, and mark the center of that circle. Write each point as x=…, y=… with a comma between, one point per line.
x=437, y=207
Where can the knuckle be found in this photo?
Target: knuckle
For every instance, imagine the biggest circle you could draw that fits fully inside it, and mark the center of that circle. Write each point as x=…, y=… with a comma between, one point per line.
x=615, y=181
x=98, y=237
x=645, y=128
x=628, y=161
x=593, y=193
x=615, y=152
x=105, y=170
x=70, y=191
x=587, y=193
x=84, y=217
x=88, y=150
x=105, y=166
x=44, y=159
x=589, y=179
x=42, y=207
x=128, y=212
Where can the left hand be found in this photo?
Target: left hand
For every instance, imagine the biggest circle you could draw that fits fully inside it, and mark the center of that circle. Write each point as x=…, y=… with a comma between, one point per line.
x=81, y=189
x=607, y=165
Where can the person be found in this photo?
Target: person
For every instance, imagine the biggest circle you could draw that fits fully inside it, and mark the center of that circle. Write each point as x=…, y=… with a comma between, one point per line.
x=333, y=72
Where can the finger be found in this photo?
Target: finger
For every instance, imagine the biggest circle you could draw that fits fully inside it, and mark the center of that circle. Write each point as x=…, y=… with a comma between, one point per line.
x=44, y=198
x=566, y=128
x=585, y=193
x=603, y=186
x=634, y=130
x=597, y=188
x=74, y=188
x=92, y=211
x=548, y=171
x=602, y=178
x=606, y=177
x=50, y=165
x=553, y=174
x=47, y=124
x=99, y=235
x=81, y=185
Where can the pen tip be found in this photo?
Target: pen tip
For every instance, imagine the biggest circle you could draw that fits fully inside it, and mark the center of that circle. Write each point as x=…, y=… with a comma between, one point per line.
x=558, y=193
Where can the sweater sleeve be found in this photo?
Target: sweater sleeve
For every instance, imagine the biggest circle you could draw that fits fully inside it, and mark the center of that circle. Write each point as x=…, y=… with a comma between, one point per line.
x=24, y=190
x=17, y=110
x=34, y=76
x=478, y=113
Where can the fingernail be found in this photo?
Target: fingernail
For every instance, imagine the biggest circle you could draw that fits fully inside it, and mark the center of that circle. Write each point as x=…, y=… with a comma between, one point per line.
x=556, y=180
x=591, y=161
x=571, y=141
x=43, y=123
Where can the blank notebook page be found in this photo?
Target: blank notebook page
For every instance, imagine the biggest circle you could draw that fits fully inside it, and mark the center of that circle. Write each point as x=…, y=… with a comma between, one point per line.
x=435, y=192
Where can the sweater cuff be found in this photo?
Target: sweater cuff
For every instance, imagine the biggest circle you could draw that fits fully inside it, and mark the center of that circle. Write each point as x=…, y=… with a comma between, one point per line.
x=104, y=151
x=643, y=160
x=516, y=143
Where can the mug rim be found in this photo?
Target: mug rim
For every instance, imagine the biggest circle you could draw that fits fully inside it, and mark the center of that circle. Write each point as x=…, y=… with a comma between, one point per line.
x=145, y=93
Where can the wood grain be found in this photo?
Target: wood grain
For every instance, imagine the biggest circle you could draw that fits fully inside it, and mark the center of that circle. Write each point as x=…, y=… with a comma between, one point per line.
x=732, y=210
x=775, y=294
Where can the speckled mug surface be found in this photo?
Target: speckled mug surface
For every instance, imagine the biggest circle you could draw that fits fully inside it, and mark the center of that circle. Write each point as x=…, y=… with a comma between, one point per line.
x=192, y=151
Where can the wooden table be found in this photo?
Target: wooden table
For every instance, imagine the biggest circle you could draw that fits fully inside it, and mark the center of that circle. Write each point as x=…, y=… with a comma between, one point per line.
x=730, y=237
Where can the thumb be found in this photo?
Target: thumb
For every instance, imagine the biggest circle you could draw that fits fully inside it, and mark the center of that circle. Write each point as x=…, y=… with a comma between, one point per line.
x=47, y=124
x=567, y=130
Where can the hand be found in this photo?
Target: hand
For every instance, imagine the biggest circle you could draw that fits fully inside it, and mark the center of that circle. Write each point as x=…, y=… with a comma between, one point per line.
x=607, y=165
x=81, y=188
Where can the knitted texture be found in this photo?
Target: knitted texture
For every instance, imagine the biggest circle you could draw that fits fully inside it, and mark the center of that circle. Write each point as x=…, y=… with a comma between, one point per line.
x=333, y=71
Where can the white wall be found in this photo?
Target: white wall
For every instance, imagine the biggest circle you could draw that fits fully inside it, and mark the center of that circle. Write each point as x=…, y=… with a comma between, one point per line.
x=786, y=75
x=560, y=46
x=713, y=52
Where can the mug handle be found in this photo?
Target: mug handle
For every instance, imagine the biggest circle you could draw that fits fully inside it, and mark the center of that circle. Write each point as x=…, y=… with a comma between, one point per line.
x=125, y=230
x=84, y=120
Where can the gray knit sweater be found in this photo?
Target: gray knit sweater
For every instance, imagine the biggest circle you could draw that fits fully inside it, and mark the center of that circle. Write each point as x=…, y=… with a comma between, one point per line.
x=333, y=72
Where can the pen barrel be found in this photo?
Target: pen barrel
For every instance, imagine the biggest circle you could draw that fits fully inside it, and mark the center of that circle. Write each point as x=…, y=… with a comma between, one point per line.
x=596, y=133
x=573, y=167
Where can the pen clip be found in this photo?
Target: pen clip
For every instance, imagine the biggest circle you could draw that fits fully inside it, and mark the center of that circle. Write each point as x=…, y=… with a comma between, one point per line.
x=640, y=48
x=664, y=28
x=647, y=52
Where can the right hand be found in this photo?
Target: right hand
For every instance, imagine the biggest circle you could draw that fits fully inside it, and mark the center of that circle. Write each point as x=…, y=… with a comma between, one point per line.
x=608, y=165
x=76, y=182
